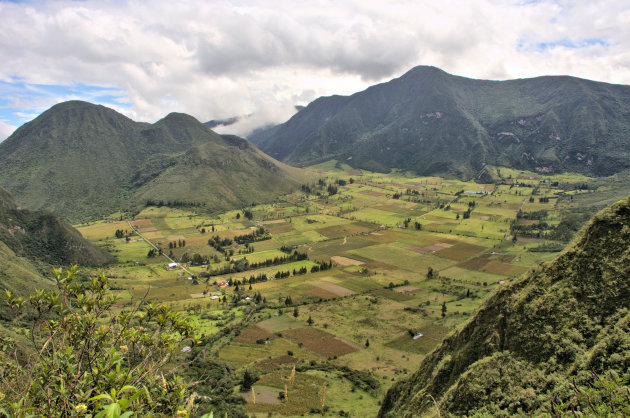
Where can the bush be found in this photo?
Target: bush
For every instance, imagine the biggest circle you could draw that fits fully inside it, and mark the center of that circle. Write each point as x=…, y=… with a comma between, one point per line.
x=87, y=360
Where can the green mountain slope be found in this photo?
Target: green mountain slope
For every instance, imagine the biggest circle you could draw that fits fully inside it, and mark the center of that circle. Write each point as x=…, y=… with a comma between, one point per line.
x=32, y=241
x=223, y=174
x=530, y=341
x=432, y=122
x=83, y=160
x=45, y=237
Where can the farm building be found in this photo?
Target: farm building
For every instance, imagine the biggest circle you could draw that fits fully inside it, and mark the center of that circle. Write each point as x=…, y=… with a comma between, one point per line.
x=171, y=266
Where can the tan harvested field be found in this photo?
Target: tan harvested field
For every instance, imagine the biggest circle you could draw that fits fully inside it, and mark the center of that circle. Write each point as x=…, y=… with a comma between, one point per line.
x=406, y=289
x=151, y=235
x=272, y=222
x=322, y=293
x=253, y=333
x=320, y=342
x=460, y=251
x=142, y=223
x=372, y=193
x=281, y=228
x=431, y=248
x=333, y=288
x=263, y=396
x=345, y=261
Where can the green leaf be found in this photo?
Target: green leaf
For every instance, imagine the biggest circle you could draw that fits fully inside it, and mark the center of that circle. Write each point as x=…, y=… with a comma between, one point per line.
x=113, y=410
x=128, y=387
x=102, y=396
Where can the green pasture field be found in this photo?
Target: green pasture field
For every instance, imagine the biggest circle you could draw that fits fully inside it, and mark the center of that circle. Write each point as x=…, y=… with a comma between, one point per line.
x=361, y=229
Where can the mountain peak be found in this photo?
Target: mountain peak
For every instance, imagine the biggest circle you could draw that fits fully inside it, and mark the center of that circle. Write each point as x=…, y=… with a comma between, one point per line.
x=180, y=118
x=434, y=123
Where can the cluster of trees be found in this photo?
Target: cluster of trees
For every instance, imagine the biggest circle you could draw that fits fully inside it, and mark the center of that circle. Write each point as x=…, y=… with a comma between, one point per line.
x=243, y=264
x=564, y=231
x=331, y=188
x=535, y=215
x=173, y=203
x=286, y=249
x=154, y=253
x=322, y=266
x=408, y=192
x=177, y=244
x=282, y=274
x=259, y=234
x=196, y=259
x=121, y=234
x=248, y=214
x=219, y=244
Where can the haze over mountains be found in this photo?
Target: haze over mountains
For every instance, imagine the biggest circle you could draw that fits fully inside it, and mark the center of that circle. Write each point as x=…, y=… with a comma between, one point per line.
x=432, y=122
x=83, y=160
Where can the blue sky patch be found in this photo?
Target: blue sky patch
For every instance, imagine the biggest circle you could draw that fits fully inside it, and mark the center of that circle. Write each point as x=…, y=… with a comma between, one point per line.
x=21, y=102
x=524, y=45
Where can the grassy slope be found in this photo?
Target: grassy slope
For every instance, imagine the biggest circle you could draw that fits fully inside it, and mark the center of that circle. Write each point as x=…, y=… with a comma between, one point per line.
x=33, y=240
x=224, y=174
x=18, y=274
x=528, y=339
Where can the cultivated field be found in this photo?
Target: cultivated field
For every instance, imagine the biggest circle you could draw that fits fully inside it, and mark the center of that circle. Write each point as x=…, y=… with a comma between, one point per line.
x=352, y=288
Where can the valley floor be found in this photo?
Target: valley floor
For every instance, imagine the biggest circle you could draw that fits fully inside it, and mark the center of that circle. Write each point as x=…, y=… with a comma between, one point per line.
x=412, y=258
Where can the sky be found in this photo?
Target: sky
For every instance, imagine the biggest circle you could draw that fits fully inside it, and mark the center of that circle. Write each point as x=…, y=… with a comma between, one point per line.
x=219, y=59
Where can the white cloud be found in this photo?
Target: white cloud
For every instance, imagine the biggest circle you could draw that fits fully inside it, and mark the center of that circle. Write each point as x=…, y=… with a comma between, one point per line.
x=5, y=130
x=217, y=59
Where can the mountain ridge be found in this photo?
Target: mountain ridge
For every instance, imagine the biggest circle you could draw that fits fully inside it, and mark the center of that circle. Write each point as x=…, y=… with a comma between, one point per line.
x=431, y=122
x=87, y=161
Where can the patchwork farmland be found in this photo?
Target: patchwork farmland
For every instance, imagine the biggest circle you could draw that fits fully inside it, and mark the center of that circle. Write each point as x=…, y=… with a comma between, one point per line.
x=351, y=281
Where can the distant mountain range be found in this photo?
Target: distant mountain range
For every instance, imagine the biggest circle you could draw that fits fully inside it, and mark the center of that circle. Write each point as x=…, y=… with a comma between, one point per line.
x=540, y=341
x=432, y=122
x=33, y=241
x=84, y=160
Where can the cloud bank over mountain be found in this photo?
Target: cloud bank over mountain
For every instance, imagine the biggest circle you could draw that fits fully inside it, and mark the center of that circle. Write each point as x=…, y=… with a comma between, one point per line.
x=221, y=59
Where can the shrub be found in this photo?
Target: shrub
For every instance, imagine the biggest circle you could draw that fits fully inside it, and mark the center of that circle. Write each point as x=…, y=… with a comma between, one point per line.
x=87, y=359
